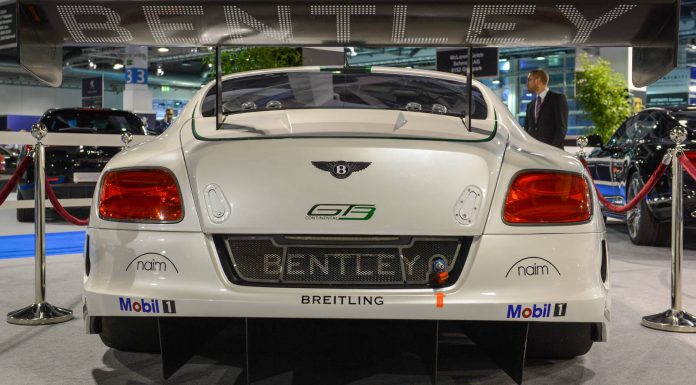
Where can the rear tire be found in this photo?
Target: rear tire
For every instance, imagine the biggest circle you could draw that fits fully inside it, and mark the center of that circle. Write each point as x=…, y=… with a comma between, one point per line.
x=558, y=341
x=25, y=215
x=131, y=334
x=643, y=227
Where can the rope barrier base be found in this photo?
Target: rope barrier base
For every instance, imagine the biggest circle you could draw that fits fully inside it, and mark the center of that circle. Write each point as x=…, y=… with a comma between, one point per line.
x=39, y=314
x=671, y=321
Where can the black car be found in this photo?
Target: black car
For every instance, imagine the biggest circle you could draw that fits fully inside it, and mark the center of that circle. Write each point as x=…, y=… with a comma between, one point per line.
x=622, y=166
x=8, y=160
x=73, y=171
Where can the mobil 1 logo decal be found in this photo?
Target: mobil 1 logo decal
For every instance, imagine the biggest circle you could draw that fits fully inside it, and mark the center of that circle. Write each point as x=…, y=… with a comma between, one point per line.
x=536, y=311
x=146, y=306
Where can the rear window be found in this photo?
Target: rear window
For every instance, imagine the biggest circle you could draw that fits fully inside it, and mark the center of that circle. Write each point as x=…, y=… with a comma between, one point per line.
x=93, y=121
x=335, y=89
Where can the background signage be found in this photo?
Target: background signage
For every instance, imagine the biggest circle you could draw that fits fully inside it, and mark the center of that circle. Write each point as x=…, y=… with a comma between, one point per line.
x=485, y=61
x=136, y=75
x=661, y=100
x=93, y=92
x=692, y=85
x=8, y=25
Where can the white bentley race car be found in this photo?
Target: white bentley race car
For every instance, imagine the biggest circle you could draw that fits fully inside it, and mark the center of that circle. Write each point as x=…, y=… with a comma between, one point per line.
x=347, y=193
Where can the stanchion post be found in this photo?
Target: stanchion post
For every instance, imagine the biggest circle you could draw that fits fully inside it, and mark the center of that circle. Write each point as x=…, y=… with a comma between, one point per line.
x=40, y=312
x=675, y=319
x=126, y=138
x=582, y=143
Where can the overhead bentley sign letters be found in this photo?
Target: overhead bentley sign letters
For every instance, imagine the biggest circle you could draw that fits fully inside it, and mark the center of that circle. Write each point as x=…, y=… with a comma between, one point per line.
x=214, y=23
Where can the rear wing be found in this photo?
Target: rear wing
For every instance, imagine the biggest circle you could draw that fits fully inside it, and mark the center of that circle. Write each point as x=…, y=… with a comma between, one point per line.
x=651, y=26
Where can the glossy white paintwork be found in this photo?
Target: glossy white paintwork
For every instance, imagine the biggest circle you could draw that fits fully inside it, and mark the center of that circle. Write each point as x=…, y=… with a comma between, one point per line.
x=416, y=185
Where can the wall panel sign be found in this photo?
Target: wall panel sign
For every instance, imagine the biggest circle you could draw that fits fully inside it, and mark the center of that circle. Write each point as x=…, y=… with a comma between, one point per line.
x=8, y=25
x=663, y=100
x=93, y=92
x=454, y=60
x=692, y=85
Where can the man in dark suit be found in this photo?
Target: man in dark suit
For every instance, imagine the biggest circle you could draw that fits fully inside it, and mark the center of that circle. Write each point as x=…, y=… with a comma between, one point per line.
x=163, y=124
x=547, y=114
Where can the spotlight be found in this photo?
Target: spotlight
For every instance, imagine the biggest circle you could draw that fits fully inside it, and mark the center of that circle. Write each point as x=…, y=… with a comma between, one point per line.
x=163, y=49
x=160, y=71
x=91, y=64
x=118, y=66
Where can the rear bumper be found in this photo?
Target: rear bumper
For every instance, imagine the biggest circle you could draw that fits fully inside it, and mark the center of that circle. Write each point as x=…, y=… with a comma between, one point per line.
x=506, y=278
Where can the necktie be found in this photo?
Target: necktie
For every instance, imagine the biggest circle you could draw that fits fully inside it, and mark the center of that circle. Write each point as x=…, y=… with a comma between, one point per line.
x=537, y=108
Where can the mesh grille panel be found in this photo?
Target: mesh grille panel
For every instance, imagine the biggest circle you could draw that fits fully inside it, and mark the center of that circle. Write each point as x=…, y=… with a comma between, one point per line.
x=256, y=260
x=279, y=261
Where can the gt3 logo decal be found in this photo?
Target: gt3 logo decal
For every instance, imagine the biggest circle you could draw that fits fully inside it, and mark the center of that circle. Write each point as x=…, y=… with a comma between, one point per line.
x=342, y=212
x=341, y=169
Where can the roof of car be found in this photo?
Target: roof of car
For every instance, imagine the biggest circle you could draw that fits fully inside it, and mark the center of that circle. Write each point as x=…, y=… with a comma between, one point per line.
x=674, y=108
x=85, y=109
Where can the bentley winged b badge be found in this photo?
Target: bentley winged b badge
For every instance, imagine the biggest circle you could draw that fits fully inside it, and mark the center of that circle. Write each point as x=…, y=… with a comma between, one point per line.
x=341, y=169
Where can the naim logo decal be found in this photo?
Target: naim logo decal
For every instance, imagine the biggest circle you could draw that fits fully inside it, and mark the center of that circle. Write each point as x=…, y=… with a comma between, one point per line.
x=152, y=262
x=341, y=212
x=532, y=267
x=146, y=305
x=536, y=311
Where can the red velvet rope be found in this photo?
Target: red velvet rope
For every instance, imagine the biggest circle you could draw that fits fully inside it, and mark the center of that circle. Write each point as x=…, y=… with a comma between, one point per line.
x=688, y=166
x=12, y=182
x=61, y=210
x=639, y=197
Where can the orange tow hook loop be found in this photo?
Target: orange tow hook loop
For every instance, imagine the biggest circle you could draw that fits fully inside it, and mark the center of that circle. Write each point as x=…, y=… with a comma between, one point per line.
x=441, y=277
x=440, y=299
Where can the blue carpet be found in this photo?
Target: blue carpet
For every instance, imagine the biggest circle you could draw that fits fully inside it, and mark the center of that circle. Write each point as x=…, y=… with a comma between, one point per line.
x=22, y=246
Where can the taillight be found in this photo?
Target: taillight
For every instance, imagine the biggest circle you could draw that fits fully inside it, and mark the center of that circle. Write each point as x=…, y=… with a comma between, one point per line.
x=547, y=197
x=149, y=195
